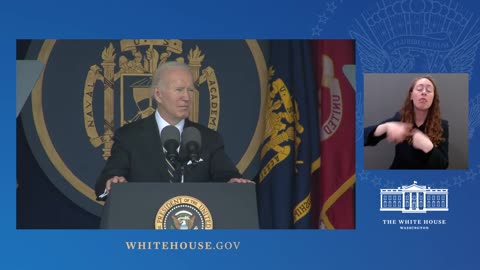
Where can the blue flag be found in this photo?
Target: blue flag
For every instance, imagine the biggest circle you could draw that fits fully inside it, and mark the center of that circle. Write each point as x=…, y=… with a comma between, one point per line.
x=290, y=150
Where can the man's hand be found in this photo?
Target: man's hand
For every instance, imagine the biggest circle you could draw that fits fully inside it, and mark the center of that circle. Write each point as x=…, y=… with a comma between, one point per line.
x=241, y=181
x=114, y=180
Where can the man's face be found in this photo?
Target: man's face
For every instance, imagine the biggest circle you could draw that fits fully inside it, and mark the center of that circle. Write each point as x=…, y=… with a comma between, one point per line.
x=174, y=96
x=422, y=94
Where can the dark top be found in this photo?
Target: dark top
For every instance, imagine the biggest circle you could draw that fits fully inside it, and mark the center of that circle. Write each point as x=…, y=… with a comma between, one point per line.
x=137, y=154
x=406, y=156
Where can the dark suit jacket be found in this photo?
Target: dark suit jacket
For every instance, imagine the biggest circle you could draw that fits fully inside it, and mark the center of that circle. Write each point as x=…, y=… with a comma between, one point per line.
x=137, y=154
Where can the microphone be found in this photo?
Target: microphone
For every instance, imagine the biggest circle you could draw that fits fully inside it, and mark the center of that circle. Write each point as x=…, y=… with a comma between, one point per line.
x=170, y=137
x=191, y=144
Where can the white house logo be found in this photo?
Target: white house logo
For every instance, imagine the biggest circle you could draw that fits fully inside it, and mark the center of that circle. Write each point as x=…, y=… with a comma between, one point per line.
x=414, y=199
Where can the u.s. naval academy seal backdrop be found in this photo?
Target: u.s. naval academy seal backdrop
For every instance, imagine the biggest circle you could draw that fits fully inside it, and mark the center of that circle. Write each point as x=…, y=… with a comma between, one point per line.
x=89, y=88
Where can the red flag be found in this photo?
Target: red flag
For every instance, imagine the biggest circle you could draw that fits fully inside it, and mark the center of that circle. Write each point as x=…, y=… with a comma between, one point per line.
x=337, y=120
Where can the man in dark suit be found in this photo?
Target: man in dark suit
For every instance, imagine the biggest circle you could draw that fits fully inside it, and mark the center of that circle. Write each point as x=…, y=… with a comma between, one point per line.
x=137, y=153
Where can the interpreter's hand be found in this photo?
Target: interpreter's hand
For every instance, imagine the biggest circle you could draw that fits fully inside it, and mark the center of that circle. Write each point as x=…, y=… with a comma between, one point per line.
x=240, y=181
x=114, y=180
x=421, y=141
x=396, y=132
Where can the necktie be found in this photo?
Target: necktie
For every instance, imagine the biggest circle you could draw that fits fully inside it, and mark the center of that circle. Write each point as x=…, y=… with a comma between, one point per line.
x=171, y=171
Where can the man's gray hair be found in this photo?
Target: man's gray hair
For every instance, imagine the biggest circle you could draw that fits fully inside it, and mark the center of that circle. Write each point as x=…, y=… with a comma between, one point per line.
x=159, y=76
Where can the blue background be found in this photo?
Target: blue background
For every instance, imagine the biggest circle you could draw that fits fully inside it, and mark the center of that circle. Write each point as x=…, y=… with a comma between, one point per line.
x=372, y=244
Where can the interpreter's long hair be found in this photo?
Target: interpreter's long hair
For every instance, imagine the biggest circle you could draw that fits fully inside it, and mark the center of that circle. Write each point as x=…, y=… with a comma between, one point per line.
x=433, y=123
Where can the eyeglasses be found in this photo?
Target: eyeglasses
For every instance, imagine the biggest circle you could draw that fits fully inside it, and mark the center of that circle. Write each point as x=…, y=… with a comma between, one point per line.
x=420, y=88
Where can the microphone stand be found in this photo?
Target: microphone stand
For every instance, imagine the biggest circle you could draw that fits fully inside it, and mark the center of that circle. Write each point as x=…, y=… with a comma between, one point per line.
x=182, y=173
x=181, y=166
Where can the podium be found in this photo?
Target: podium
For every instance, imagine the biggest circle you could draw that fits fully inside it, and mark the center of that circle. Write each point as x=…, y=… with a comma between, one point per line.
x=180, y=206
